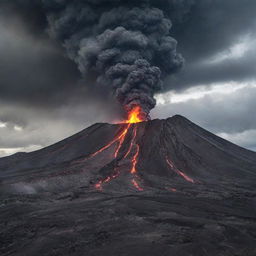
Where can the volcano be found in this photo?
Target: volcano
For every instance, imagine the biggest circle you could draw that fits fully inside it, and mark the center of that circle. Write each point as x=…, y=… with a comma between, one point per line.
x=160, y=187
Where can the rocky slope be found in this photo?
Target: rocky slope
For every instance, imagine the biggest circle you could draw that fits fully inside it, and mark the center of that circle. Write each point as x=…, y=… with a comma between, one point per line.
x=162, y=187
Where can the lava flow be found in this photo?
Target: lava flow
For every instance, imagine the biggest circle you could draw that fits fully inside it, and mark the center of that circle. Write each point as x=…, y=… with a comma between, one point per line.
x=133, y=117
x=121, y=139
x=132, y=141
x=106, y=180
x=182, y=174
x=136, y=185
x=135, y=160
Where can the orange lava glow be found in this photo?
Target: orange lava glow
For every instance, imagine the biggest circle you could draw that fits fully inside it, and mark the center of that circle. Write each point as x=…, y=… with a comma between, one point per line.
x=182, y=174
x=135, y=160
x=132, y=142
x=134, y=116
x=121, y=139
x=106, y=180
x=136, y=185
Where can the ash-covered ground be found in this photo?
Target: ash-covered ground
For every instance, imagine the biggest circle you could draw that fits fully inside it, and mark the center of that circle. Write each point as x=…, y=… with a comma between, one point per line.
x=162, y=187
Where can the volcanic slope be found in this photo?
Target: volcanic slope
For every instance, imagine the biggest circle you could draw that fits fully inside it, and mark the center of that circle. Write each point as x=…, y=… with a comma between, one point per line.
x=159, y=187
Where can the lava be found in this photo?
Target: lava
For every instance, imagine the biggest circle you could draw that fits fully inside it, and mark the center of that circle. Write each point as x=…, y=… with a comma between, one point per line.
x=182, y=174
x=132, y=142
x=136, y=185
x=135, y=116
x=121, y=139
x=133, y=170
x=105, y=147
x=106, y=180
x=135, y=160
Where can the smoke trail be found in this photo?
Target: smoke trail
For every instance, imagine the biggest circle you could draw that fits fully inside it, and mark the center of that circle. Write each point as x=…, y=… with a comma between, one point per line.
x=125, y=44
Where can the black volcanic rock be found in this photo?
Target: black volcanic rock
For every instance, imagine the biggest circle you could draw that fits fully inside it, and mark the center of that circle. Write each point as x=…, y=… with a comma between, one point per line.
x=192, y=193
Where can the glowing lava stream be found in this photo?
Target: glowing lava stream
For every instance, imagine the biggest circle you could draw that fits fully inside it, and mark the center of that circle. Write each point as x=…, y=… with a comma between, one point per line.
x=136, y=185
x=132, y=142
x=132, y=118
x=106, y=180
x=133, y=170
x=135, y=160
x=120, y=138
x=179, y=172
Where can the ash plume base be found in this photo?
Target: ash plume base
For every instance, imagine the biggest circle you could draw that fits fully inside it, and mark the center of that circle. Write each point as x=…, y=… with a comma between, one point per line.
x=126, y=45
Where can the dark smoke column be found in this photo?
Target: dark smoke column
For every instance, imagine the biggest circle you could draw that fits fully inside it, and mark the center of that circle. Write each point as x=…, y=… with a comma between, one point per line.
x=125, y=44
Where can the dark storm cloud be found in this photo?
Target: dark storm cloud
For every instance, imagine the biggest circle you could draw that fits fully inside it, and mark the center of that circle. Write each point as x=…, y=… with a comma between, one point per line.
x=213, y=25
x=37, y=79
x=234, y=69
x=127, y=45
x=203, y=28
x=210, y=28
x=33, y=69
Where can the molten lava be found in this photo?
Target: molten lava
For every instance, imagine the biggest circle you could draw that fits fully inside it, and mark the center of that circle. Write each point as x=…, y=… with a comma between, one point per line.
x=136, y=185
x=132, y=142
x=135, y=160
x=121, y=139
x=135, y=116
x=135, y=157
x=182, y=174
x=106, y=180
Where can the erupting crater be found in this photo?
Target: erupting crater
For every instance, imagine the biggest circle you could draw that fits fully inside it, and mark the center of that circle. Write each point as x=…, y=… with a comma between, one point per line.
x=127, y=146
x=135, y=116
x=135, y=155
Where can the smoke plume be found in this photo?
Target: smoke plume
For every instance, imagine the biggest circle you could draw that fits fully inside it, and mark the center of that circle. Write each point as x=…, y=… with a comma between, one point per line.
x=126, y=45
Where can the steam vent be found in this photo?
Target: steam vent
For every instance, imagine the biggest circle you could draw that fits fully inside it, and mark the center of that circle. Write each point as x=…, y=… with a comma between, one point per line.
x=160, y=187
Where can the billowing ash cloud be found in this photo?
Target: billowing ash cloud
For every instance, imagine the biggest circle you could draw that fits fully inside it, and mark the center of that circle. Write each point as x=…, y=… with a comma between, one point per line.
x=126, y=45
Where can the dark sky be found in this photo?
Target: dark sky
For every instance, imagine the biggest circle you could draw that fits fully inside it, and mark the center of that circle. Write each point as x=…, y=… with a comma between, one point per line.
x=43, y=99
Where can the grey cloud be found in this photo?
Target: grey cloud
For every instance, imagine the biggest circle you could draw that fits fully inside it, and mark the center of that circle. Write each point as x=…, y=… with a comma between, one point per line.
x=233, y=69
x=203, y=28
x=39, y=82
x=42, y=127
x=33, y=69
x=211, y=27
x=136, y=38
x=229, y=113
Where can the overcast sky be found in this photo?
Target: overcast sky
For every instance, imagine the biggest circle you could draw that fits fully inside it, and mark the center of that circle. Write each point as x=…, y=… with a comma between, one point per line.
x=43, y=100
